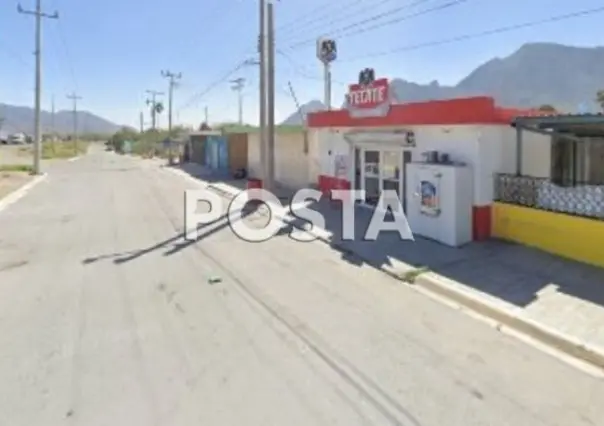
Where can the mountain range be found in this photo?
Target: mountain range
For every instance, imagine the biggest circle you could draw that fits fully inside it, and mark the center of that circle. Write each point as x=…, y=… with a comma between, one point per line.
x=20, y=119
x=536, y=74
x=565, y=77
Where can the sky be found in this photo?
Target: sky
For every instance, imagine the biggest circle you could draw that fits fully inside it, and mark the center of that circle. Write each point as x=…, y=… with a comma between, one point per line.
x=111, y=52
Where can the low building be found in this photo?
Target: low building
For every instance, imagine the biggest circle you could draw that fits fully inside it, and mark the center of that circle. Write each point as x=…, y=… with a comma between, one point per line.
x=556, y=201
x=221, y=153
x=369, y=145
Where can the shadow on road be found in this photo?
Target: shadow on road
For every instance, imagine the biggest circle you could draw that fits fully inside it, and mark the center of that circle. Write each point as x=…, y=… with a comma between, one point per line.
x=176, y=243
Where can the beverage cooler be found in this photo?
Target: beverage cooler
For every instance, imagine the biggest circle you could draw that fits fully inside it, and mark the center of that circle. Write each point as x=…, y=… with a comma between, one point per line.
x=439, y=202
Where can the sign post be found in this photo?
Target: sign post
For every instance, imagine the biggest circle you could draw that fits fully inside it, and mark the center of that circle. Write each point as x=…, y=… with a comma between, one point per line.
x=327, y=52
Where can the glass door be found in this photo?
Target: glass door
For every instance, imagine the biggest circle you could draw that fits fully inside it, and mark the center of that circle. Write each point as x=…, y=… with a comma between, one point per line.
x=371, y=176
x=391, y=179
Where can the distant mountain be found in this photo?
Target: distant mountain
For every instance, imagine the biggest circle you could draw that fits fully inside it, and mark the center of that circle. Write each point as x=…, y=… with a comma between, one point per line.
x=535, y=74
x=21, y=119
x=296, y=118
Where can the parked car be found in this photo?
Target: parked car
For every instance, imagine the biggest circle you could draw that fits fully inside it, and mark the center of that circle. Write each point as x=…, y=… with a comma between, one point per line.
x=17, y=139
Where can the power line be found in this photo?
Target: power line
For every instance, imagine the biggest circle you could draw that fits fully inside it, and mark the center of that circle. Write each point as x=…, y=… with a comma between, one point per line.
x=485, y=33
x=16, y=56
x=302, y=71
x=196, y=97
x=310, y=18
x=66, y=51
x=319, y=24
x=341, y=32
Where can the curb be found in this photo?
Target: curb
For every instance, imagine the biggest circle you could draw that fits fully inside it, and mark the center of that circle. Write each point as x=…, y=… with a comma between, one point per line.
x=448, y=289
x=20, y=192
x=548, y=336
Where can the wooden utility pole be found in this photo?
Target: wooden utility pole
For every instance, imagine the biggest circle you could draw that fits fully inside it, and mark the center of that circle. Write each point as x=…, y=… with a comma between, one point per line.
x=238, y=85
x=270, y=95
x=38, y=14
x=262, y=47
x=75, y=98
x=172, y=77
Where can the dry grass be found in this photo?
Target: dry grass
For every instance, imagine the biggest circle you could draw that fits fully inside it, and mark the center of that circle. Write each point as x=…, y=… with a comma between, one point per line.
x=53, y=150
x=25, y=168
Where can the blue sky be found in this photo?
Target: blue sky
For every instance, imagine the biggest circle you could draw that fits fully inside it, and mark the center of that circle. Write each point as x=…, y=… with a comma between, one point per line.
x=112, y=51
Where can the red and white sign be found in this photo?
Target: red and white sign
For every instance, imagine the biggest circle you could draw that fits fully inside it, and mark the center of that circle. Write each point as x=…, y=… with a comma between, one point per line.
x=370, y=96
x=368, y=100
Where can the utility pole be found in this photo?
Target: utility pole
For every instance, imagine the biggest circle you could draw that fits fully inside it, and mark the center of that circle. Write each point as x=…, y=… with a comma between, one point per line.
x=75, y=98
x=206, y=115
x=153, y=102
x=38, y=14
x=52, y=115
x=141, y=121
x=172, y=77
x=52, y=123
x=262, y=48
x=238, y=85
x=271, y=97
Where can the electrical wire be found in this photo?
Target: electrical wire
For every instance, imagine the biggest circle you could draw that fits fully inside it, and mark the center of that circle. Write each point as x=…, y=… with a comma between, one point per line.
x=195, y=98
x=341, y=32
x=13, y=54
x=310, y=17
x=302, y=71
x=68, y=57
x=319, y=23
x=66, y=51
x=499, y=30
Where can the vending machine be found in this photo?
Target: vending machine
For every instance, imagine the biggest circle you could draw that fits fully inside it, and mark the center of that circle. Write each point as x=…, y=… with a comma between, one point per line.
x=439, y=201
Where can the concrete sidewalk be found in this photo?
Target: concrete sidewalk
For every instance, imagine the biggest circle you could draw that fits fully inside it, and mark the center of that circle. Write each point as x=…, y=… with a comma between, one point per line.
x=553, y=300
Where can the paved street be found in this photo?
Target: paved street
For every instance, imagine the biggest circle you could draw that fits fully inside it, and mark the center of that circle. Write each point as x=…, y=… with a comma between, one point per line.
x=107, y=317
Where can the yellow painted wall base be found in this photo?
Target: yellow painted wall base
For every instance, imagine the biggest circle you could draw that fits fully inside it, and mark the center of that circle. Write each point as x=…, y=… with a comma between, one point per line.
x=568, y=236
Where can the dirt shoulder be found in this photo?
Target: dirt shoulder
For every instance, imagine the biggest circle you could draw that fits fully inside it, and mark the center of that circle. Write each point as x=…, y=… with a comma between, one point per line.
x=11, y=181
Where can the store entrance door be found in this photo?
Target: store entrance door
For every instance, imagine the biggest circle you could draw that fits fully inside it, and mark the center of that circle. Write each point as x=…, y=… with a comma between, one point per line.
x=381, y=169
x=392, y=179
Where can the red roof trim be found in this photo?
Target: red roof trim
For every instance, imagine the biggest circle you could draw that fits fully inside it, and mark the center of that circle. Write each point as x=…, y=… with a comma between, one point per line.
x=474, y=110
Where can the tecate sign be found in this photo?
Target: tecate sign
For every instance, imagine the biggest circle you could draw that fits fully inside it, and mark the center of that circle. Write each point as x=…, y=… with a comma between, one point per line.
x=367, y=100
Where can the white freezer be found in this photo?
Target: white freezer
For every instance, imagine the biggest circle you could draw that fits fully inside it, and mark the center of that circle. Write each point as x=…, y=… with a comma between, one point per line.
x=439, y=202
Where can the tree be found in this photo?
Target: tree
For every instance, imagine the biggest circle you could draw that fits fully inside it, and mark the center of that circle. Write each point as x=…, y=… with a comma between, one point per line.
x=121, y=136
x=548, y=109
x=600, y=98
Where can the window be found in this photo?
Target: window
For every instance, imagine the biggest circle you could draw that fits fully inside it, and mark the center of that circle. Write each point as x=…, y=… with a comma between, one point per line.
x=577, y=163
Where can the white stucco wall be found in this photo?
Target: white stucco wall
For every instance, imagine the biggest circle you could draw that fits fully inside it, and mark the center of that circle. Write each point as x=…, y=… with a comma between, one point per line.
x=488, y=149
x=460, y=142
x=291, y=162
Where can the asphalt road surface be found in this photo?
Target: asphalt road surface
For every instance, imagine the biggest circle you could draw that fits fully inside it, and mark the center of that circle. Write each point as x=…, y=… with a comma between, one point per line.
x=107, y=317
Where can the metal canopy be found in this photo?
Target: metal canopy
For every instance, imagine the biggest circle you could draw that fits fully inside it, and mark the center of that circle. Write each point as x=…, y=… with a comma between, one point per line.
x=579, y=125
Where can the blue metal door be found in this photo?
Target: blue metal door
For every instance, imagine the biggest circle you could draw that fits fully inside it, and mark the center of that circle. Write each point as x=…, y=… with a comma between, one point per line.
x=223, y=153
x=217, y=153
x=211, y=162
